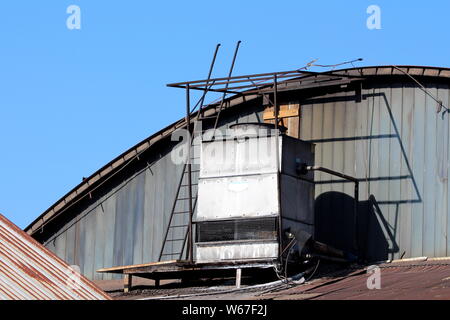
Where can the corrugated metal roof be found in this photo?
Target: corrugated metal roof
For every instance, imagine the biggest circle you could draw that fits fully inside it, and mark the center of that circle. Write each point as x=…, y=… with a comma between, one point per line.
x=428, y=280
x=28, y=271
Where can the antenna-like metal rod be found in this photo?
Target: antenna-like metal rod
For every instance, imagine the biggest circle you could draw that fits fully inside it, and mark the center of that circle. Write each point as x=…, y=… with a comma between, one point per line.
x=211, y=67
x=226, y=86
x=189, y=176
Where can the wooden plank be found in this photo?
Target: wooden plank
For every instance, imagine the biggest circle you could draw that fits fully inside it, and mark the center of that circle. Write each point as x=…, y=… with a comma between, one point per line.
x=294, y=122
x=127, y=282
x=287, y=113
x=144, y=265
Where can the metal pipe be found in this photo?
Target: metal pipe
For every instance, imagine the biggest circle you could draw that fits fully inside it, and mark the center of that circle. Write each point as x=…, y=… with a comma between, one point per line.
x=280, y=74
x=189, y=169
x=226, y=86
x=211, y=67
x=277, y=147
x=332, y=172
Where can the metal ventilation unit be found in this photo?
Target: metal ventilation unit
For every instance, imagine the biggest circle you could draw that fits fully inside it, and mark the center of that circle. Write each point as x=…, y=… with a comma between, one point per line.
x=251, y=193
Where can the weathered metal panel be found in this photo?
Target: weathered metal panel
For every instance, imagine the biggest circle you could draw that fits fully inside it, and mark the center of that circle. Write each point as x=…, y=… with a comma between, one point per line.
x=234, y=197
x=89, y=244
x=418, y=166
x=28, y=271
x=447, y=143
x=237, y=157
x=407, y=185
x=222, y=252
x=441, y=177
x=429, y=172
x=297, y=200
x=150, y=216
x=99, y=246
x=403, y=156
x=109, y=220
x=395, y=161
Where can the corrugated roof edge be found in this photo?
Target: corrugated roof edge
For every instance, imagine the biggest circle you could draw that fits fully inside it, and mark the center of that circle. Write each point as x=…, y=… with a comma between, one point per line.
x=86, y=186
x=86, y=285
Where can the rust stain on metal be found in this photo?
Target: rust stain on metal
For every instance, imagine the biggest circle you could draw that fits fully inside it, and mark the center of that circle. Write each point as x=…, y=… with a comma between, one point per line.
x=28, y=271
x=419, y=281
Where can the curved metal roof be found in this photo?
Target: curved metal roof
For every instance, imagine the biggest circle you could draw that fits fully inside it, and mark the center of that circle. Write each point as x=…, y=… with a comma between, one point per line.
x=103, y=174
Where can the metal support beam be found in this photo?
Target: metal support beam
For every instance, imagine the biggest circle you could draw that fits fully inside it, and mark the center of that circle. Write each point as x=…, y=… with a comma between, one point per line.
x=238, y=278
x=189, y=173
x=277, y=147
x=127, y=282
x=226, y=86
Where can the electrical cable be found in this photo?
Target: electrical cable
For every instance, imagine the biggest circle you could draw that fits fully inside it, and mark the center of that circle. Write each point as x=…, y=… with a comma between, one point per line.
x=422, y=87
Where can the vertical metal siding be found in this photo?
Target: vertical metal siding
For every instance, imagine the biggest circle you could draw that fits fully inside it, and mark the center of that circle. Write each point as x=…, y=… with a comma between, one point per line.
x=407, y=147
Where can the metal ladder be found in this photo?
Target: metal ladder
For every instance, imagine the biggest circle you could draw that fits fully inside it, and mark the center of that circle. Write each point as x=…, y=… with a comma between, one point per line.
x=179, y=209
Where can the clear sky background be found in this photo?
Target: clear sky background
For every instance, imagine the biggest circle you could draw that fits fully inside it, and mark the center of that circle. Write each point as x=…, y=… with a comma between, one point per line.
x=72, y=100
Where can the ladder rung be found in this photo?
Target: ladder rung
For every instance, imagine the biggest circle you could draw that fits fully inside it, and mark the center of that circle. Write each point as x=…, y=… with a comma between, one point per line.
x=192, y=184
x=180, y=212
x=171, y=240
x=185, y=198
x=170, y=254
x=185, y=225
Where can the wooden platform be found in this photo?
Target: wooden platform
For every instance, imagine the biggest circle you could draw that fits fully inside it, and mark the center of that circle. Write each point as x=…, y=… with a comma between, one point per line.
x=185, y=270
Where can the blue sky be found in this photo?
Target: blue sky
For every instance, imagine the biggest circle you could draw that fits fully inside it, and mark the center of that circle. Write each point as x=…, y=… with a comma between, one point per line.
x=72, y=100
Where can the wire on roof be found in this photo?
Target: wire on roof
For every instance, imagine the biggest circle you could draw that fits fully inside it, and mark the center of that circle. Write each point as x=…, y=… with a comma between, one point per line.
x=422, y=87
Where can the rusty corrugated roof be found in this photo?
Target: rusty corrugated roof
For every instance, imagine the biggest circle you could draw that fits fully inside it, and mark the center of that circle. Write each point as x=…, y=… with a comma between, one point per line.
x=29, y=271
x=429, y=280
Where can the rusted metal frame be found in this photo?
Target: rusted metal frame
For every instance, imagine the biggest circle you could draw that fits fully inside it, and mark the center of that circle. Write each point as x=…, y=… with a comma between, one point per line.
x=356, y=197
x=277, y=147
x=189, y=169
x=256, y=75
x=330, y=73
x=301, y=85
x=199, y=84
x=226, y=87
x=207, y=86
x=201, y=88
x=266, y=86
x=244, y=80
